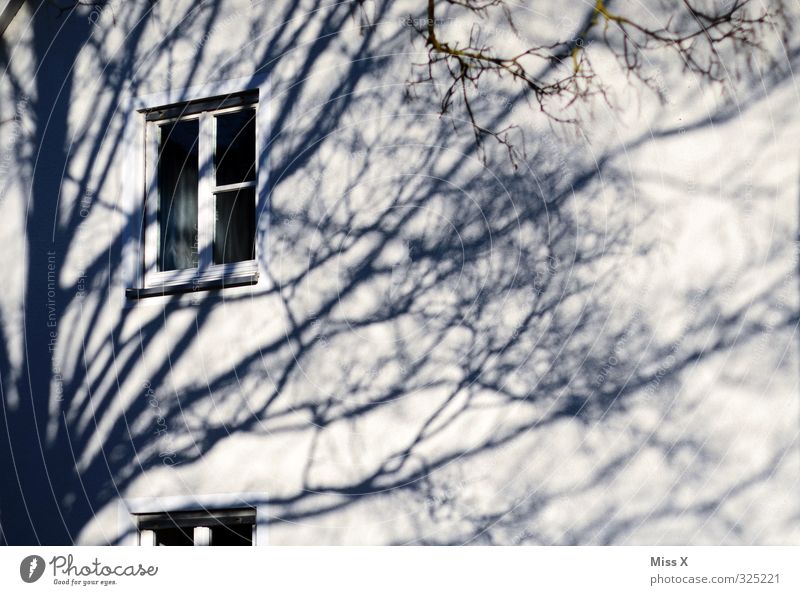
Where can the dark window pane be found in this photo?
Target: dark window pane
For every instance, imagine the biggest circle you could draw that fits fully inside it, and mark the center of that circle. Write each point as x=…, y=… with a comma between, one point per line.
x=235, y=155
x=238, y=534
x=177, y=196
x=235, y=226
x=175, y=536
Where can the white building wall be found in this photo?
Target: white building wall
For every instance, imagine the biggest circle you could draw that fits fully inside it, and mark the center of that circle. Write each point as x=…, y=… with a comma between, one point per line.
x=598, y=346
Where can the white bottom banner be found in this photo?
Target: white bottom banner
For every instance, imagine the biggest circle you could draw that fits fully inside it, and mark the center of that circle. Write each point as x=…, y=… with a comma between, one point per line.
x=401, y=570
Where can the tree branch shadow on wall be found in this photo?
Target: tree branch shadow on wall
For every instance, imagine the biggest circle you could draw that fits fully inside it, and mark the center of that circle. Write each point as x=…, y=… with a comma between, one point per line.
x=424, y=307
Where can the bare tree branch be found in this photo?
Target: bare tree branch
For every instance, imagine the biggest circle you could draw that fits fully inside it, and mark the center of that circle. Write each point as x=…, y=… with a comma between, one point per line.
x=698, y=35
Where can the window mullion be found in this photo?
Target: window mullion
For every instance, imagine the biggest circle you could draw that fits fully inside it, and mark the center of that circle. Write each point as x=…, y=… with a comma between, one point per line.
x=147, y=537
x=205, y=214
x=202, y=536
x=237, y=186
x=151, y=229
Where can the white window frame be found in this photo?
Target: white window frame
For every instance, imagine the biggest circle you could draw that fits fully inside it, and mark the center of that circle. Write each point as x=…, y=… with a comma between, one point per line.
x=130, y=508
x=140, y=200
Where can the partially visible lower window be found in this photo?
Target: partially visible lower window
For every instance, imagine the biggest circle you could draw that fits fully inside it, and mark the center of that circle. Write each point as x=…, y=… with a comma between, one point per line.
x=230, y=526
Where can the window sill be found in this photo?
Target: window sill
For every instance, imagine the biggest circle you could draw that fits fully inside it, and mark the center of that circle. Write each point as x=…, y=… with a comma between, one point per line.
x=193, y=285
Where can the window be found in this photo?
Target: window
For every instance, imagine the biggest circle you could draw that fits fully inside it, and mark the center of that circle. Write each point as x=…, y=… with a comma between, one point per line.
x=201, y=175
x=231, y=526
x=194, y=519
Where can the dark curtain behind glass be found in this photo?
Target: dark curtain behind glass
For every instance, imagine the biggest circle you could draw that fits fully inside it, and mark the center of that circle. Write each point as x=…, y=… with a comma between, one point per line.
x=235, y=227
x=177, y=192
